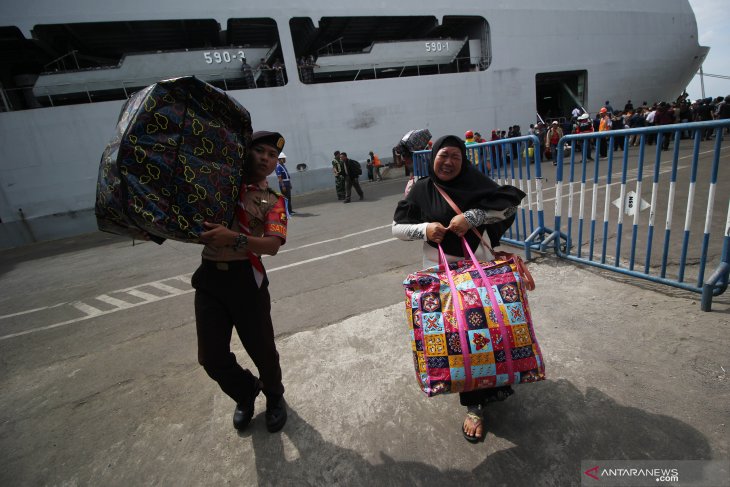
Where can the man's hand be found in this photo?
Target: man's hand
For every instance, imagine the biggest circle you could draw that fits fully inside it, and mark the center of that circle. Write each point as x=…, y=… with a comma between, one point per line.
x=218, y=235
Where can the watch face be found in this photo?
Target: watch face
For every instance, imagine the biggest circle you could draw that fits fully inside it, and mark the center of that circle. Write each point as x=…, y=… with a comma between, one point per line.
x=241, y=241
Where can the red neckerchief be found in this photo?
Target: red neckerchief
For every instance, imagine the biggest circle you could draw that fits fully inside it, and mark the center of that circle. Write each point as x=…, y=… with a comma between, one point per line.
x=245, y=227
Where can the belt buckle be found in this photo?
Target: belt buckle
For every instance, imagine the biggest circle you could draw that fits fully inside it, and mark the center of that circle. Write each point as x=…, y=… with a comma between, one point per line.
x=221, y=266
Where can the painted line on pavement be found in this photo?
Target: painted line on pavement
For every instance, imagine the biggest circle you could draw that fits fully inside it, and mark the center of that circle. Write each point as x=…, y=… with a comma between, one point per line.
x=92, y=312
x=334, y=239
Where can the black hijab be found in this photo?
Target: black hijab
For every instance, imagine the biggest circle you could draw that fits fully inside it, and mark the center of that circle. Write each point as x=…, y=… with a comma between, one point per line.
x=470, y=190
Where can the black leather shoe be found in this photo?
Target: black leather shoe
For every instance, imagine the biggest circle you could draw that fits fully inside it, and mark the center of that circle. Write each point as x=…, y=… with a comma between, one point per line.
x=276, y=415
x=243, y=413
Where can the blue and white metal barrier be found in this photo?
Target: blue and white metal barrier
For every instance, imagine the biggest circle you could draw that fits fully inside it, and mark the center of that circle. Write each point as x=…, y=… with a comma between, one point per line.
x=514, y=161
x=666, y=185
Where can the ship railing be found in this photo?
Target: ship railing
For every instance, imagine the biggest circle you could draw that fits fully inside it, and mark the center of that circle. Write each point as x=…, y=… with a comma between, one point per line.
x=328, y=48
x=383, y=68
x=91, y=93
x=5, y=105
x=516, y=162
x=60, y=62
x=643, y=175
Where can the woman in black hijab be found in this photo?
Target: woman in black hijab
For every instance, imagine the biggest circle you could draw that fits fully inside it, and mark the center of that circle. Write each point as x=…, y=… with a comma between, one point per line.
x=425, y=215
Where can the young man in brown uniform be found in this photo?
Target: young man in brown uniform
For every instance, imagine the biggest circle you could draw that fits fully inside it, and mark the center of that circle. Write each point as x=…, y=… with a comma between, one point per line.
x=231, y=290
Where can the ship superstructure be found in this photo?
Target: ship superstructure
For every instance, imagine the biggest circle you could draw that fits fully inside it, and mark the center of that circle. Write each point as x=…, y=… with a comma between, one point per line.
x=346, y=75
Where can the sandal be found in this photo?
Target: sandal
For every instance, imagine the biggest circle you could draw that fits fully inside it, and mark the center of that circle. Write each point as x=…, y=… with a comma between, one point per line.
x=243, y=413
x=475, y=415
x=276, y=414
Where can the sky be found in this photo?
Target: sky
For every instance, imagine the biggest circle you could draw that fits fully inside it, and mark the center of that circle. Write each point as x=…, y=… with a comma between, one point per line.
x=713, y=26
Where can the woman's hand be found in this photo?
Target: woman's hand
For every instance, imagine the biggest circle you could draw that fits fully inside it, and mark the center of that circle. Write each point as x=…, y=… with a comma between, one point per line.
x=435, y=232
x=218, y=235
x=459, y=225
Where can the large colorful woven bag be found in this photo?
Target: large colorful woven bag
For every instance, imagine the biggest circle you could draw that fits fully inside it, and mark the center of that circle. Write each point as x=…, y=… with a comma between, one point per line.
x=471, y=326
x=175, y=161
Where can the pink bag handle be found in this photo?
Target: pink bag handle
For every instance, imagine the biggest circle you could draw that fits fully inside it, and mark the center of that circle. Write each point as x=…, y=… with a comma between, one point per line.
x=521, y=267
x=460, y=321
x=506, y=347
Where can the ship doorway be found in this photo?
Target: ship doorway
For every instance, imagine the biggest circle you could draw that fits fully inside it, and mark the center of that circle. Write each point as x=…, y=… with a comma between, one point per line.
x=557, y=94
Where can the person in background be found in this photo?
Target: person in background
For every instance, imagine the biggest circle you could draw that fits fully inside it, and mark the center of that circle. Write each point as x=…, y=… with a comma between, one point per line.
x=617, y=123
x=425, y=215
x=723, y=111
x=338, y=170
x=636, y=120
x=470, y=140
x=369, y=168
x=375, y=160
x=604, y=126
x=352, y=173
x=405, y=157
x=552, y=140
x=279, y=73
x=282, y=174
x=664, y=116
x=478, y=139
x=685, y=116
x=541, y=132
x=231, y=290
x=516, y=132
x=650, y=122
x=248, y=80
x=584, y=125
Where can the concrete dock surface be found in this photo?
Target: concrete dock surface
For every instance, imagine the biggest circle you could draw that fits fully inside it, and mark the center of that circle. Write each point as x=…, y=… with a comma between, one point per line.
x=636, y=371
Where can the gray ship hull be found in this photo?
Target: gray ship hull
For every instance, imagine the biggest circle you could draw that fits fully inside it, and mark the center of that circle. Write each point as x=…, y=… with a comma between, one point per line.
x=645, y=50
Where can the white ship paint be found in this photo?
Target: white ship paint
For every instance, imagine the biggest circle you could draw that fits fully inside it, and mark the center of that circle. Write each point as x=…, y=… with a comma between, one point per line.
x=644, y=50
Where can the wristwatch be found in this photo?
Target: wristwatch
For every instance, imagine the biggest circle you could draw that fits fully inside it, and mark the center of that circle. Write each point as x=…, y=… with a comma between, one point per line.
x=240, y=242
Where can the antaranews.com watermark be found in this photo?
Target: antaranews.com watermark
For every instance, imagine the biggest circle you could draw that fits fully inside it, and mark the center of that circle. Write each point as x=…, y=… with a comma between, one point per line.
x=641, y=473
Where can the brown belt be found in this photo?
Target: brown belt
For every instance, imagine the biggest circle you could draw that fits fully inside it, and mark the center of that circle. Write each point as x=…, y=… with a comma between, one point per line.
x=226, y=266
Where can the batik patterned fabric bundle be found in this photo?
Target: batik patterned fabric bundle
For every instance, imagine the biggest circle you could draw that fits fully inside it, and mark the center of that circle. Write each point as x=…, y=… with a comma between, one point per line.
x=416, y=140
x=495, y=346
x=175, y=161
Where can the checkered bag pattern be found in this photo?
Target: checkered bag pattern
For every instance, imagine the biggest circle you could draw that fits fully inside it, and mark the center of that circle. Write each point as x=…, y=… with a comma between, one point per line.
x=471, y=329
x=175, y=161
x=416, y=140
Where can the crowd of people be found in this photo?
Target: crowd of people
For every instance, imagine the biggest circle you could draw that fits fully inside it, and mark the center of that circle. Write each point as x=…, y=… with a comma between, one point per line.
x=549, y=135
x=682, y=110
x=268, y=75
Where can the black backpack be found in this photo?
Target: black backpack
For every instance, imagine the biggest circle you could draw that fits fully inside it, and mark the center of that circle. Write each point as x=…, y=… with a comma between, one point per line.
x=355, y=167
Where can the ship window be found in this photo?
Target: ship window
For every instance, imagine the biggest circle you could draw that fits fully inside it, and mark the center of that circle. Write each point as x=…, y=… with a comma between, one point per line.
x=359, y=48
x=264, y=60
x=97, y=61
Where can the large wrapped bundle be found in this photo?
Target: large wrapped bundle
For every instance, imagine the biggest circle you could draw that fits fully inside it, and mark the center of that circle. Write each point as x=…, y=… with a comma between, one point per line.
x=175, y=161
x=473, y=329
x=416, y=140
